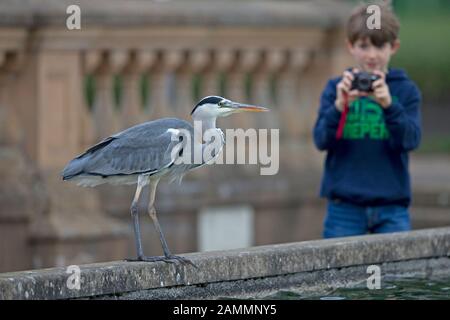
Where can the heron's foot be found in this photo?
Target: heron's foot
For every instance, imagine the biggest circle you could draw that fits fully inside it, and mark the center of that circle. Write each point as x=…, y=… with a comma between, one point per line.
x=150, y=259
x=168, y=259
x=182, y=260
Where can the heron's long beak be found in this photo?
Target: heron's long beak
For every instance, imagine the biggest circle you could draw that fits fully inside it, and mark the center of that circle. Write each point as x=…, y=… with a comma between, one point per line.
x=239, y=107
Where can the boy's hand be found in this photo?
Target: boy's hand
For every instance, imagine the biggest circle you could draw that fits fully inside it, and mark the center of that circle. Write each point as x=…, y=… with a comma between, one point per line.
x=343, y=87
x=381, y=91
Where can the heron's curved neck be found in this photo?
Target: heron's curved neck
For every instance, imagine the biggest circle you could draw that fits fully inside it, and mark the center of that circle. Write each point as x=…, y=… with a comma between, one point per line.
x=206, y=124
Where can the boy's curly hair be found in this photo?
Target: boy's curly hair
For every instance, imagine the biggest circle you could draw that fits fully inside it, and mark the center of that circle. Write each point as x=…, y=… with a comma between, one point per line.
x=357, y=25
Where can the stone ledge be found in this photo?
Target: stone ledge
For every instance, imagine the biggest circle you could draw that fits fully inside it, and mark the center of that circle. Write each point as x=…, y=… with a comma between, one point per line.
x=312, y=283
x=257, y=262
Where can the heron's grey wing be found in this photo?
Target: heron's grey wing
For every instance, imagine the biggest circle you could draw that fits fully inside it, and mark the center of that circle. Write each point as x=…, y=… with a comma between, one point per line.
x=97, y=146
x=146, y=148
x=138, y=155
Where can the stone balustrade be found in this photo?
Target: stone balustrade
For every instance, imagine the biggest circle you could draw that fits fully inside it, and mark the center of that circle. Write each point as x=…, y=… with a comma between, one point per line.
x=246, y=74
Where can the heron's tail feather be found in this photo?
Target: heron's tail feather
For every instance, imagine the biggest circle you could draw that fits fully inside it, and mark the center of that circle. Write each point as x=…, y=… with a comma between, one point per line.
x=76, y=166
x=73, y=169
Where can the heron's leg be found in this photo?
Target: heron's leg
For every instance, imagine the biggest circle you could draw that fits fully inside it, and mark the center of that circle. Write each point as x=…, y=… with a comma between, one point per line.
x=135, y=215
x=152, y=212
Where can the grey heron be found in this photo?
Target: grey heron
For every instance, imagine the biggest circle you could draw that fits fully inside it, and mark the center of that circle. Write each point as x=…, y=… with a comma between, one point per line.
x=143, y=154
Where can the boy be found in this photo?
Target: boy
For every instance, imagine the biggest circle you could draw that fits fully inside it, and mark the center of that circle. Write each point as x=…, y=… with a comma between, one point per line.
x=366, y=177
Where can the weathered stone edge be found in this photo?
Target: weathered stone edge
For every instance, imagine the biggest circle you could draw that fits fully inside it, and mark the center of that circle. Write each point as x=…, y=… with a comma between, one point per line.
x=119, y=276
x=305, y=283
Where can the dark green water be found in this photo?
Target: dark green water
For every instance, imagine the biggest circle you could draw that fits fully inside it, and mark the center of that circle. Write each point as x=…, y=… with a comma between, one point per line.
x=393, y=289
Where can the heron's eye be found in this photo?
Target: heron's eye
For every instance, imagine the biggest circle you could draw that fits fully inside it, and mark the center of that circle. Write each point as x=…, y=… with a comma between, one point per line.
x=224, y=104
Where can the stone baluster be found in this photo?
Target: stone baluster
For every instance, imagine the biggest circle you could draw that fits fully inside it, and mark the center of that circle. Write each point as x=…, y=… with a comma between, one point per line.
x=292, y=108
x=103, y=66
x=210, y=85
x=222, y=61
x=90, y=60
x=262, y=91
x=160, y=73
x=196, y=63
x=183, y=85
x=104, y=119
x=5, y=127
x=246, y=63
x=261, y=82
x=132, y=104
x=10, y=132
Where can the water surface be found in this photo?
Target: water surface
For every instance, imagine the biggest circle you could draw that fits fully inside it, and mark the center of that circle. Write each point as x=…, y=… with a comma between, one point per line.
x=391, y=289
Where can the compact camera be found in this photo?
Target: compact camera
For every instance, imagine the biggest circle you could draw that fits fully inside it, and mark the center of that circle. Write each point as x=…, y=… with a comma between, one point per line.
x=363, y=81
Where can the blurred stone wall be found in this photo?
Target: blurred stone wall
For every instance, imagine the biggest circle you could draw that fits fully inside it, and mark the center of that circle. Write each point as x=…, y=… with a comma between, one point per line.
x=278, y=54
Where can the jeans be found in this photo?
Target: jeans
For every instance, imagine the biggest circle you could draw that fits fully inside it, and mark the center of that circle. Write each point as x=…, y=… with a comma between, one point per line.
x=344, y=219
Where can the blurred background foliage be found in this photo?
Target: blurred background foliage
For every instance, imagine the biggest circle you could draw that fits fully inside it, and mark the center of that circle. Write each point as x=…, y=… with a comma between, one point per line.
x=425, y=44
x=425, y=55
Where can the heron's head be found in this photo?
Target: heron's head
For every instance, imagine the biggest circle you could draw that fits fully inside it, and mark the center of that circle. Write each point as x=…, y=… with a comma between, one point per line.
x=215, y=106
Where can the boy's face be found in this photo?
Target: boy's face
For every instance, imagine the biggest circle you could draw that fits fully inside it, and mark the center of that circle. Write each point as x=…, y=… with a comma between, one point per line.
x=370, y=57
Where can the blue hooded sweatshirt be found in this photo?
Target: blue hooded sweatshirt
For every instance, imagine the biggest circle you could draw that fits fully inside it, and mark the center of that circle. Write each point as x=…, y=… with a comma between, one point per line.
x=368, y=166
